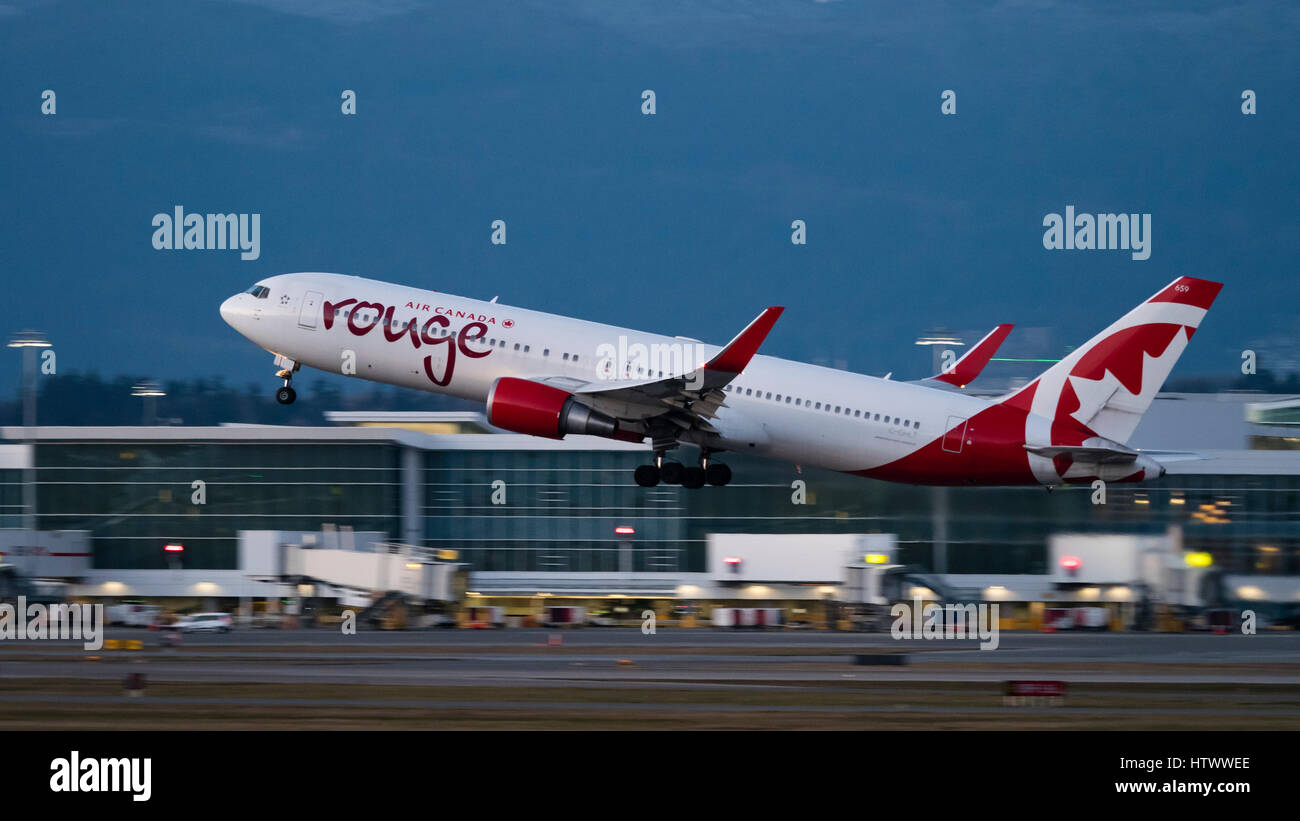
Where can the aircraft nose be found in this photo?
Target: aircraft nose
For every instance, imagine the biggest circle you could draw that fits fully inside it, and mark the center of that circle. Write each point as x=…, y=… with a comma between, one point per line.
x=229, y=310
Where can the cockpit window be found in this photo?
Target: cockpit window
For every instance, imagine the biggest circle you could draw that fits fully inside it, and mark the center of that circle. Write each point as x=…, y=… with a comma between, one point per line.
x=259, y=291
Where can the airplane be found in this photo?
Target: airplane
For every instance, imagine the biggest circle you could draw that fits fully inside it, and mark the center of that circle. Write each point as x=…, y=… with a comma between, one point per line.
x=551, y=376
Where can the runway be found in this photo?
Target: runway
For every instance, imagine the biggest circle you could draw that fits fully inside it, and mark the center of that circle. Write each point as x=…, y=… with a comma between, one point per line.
x=555, y=678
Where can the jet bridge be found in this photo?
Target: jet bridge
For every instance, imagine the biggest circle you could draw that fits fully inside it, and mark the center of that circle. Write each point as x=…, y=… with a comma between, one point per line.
x=355, y=568
x=872, y=589
x=408, y=569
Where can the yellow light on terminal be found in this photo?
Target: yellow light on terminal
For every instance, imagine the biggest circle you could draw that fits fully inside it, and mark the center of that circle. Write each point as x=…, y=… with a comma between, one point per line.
x=876, y=558
x=1199, y=559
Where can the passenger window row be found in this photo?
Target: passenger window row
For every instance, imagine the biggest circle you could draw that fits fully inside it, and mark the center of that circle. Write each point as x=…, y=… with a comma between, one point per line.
x=800, y=402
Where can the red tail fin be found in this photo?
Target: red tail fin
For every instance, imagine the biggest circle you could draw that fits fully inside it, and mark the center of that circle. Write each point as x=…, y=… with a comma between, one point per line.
x=1107, y=384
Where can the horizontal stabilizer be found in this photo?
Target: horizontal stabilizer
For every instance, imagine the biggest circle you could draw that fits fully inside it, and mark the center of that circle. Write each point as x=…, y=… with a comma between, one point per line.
x=1163, y=456
x=1083, y=453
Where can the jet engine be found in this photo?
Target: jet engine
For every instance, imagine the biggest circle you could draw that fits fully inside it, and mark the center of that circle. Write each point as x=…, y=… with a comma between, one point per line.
x=524, y=406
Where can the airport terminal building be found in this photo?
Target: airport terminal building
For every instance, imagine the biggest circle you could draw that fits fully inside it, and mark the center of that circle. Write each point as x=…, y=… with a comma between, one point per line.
x=534, y=517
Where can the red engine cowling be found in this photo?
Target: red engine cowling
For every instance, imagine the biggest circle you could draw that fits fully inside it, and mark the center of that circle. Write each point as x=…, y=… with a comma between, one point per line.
x=524, y=406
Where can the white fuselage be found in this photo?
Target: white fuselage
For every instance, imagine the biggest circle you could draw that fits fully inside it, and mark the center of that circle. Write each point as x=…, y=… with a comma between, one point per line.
x=775, y=408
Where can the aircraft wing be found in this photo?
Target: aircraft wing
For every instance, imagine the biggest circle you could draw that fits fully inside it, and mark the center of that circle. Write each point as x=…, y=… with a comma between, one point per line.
x=964, y=370
x=690, y=399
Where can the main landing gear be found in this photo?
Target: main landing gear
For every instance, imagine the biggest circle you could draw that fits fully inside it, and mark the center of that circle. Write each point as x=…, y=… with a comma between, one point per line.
x=285, y=394
x=717, y=474
x=671, y=472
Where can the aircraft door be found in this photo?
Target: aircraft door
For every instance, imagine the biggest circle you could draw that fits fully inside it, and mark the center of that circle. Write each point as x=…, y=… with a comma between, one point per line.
x=956, y=435
x=311, y=302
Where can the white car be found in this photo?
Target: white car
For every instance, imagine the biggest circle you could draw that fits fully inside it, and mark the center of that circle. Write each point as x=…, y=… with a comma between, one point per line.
x=196, y=622
x=133, y=615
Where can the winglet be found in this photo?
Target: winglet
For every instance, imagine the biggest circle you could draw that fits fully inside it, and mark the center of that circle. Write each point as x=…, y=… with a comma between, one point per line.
x=964, y=370
x=736, y=355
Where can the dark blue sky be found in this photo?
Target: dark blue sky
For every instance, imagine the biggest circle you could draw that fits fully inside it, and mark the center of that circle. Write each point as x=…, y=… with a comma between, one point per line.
x=680, y=222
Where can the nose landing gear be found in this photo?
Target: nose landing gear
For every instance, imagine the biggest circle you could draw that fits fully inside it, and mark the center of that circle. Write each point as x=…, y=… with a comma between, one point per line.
x=285, y=394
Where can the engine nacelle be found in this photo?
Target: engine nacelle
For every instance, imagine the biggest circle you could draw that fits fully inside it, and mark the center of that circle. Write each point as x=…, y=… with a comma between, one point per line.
x=524, y=406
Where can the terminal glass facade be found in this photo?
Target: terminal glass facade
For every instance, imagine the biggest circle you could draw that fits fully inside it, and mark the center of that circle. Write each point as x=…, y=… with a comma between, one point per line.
x=135, y=497
x=554, y=510
x=1248, y=523
x=11, y=497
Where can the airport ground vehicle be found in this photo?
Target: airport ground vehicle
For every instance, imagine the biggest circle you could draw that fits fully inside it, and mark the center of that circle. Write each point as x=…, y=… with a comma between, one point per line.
x=203, y=622
x=133, y=614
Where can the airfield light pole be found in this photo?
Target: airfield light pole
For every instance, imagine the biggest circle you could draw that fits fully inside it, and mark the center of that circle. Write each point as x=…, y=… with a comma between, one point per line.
x=30, y=342
x=174, y=553
x=938, y=341
x=149, y=391
x=625, y=555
